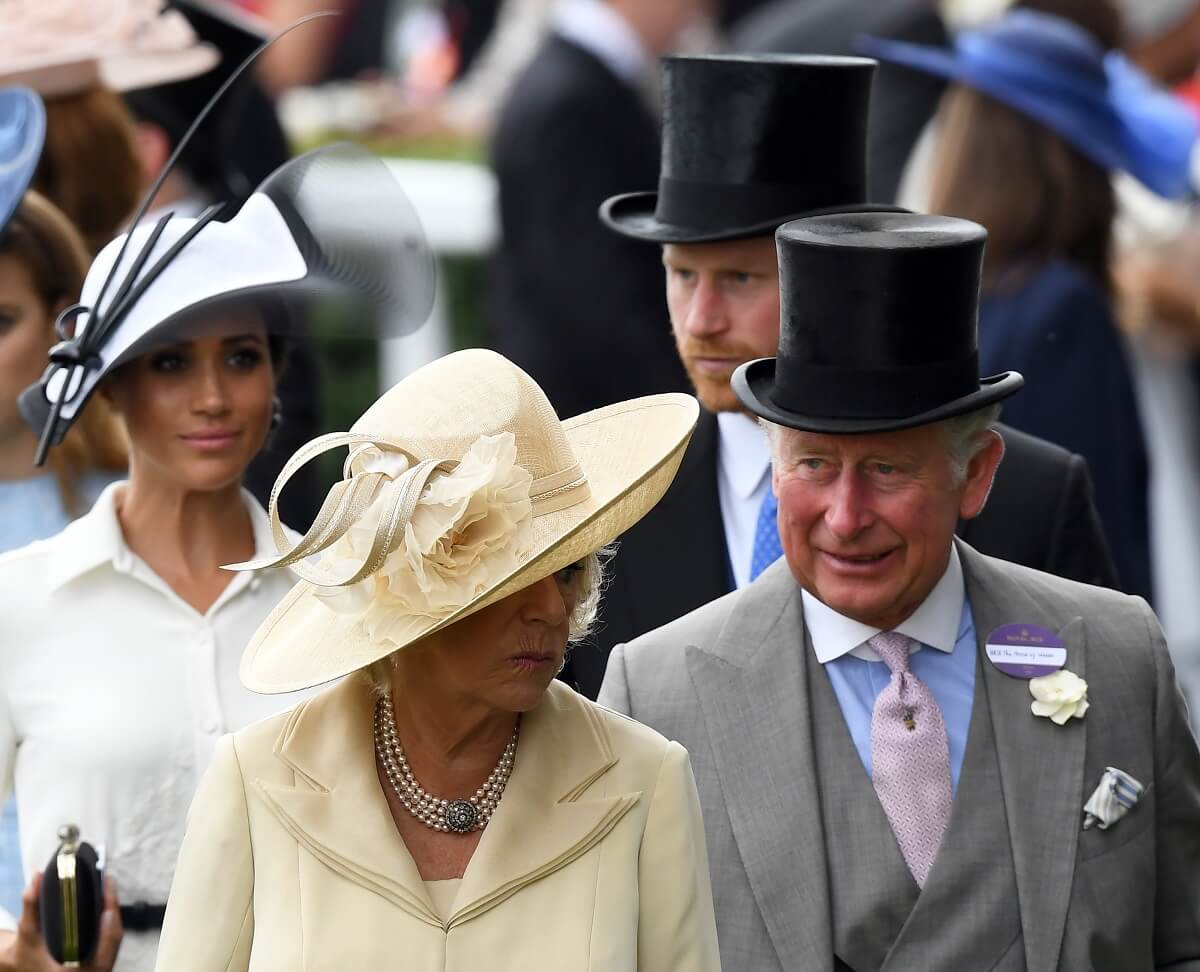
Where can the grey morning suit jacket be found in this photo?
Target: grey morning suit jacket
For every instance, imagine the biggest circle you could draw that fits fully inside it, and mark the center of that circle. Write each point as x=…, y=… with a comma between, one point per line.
x=732, y=682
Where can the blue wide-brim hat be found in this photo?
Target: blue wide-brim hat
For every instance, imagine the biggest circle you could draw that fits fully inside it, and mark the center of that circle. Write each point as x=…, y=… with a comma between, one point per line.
x=1055, y=72
x=22, y=133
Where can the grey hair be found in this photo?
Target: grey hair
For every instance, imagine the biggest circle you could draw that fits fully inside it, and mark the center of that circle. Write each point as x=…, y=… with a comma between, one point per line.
x=966, y=435
x=963, y=435
x=592, y=581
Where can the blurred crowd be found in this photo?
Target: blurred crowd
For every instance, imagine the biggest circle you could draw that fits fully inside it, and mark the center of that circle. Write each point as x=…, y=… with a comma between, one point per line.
x=1091, y=281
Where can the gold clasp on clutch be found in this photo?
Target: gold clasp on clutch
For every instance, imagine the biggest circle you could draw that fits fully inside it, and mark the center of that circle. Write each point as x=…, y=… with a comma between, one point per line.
x=69, y=835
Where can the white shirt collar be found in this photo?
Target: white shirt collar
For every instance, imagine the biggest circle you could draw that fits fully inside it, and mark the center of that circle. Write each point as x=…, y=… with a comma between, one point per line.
x=96, y=538
x=743, y=452
x=935, y=623
x=604, y=33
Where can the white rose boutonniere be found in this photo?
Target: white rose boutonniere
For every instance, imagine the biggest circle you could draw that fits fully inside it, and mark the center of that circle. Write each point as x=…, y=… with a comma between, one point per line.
x=1059, y=697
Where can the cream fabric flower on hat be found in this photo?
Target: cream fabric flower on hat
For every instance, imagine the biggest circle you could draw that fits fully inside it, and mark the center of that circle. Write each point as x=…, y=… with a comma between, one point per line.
x=1059, y=696
x=471, y=527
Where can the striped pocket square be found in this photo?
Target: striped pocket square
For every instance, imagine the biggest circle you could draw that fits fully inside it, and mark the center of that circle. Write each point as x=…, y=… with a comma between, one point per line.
x=1117, y=794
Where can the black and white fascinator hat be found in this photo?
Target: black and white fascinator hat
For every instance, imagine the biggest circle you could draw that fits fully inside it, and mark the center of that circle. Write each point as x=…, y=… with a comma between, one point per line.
x=332, y=227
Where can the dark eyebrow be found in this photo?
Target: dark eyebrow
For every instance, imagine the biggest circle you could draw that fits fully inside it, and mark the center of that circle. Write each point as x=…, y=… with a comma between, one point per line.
x=248, y=336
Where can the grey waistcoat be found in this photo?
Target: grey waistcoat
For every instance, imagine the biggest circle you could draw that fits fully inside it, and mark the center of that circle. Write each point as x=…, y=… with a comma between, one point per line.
x=967, y=917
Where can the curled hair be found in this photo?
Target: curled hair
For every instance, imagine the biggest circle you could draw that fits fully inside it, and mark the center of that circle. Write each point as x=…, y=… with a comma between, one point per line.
x=592, y=582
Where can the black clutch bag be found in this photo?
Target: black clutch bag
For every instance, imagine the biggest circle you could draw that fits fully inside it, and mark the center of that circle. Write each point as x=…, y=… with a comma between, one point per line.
x=72, y=899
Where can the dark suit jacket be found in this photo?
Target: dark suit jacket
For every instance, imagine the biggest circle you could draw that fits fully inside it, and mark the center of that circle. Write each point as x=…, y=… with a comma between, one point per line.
x=1039, y=514
x=576, y=305
x=903, y=100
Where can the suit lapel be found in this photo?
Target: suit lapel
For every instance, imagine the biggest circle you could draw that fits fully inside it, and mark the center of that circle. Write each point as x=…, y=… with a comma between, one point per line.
x=688, y=522
x=752, y=690
x=641, y=595
x=1041, y=764
x=337, y=810
x=329, y=744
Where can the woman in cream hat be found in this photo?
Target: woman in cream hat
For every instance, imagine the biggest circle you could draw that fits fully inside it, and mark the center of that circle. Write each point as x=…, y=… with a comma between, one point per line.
x=449, y=805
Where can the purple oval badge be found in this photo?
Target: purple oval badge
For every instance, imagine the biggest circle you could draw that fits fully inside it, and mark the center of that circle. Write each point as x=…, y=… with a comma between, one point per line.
x=1025, y=650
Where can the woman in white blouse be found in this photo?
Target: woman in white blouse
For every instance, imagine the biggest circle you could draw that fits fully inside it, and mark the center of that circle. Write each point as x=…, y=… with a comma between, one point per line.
x=121, y=636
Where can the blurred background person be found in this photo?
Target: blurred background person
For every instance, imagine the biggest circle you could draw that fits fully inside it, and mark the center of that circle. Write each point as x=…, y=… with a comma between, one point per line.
x=79, y=62
x=450, y=63
x=331, y=48
x=1022, y=151
x=904, y=100
x=42, y=264
x=239, y=144
x=1157, y=271
x=575, y=130
x=1162, y=37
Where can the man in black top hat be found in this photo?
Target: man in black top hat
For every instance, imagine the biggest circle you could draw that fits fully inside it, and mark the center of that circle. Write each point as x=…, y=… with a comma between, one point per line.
x=579, y=308
x=736, y=163
x=910, y=755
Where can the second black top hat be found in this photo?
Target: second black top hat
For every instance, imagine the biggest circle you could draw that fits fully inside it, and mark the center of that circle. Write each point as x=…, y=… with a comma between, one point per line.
x=750, y=142
x=877, y=328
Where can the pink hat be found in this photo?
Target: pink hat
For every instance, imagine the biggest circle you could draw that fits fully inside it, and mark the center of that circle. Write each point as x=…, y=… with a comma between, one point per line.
x=60, y=47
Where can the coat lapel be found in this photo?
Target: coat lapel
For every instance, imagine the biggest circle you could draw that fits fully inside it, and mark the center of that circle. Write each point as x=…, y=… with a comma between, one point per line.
x=546, y=819
x=752, y=690
x=688, y=522
x=329, y=744
x=1041, y=764
x=337, y=810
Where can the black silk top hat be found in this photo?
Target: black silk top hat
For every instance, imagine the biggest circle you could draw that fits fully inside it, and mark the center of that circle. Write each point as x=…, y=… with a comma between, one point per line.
x=877, y=326
x=750, y=142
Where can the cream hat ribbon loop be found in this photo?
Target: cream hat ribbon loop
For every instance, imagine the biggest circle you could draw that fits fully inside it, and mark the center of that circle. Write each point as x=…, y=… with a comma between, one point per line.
x=345, y=504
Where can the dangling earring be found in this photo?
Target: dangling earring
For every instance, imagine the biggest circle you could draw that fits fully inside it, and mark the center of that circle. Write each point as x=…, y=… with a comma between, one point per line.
x=276, y=413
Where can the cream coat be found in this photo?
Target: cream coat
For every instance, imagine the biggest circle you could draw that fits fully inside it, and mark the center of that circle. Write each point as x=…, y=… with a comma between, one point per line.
x=594, y=860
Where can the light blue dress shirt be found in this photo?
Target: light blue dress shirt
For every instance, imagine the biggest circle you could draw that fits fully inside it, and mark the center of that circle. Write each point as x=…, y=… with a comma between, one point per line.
x=947, y=667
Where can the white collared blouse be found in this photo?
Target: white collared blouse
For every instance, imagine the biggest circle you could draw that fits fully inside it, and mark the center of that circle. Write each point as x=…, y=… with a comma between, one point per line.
x=113, y=695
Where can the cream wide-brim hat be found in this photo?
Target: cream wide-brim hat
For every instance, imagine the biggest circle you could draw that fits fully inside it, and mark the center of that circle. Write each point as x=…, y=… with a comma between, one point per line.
x=594, y=476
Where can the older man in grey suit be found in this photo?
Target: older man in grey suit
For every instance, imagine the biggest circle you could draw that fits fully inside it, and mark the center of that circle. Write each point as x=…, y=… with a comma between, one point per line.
x=895, y=737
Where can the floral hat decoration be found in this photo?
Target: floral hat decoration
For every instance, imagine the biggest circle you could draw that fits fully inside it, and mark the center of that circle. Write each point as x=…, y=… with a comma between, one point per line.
x=461, y=487
x=61, y=47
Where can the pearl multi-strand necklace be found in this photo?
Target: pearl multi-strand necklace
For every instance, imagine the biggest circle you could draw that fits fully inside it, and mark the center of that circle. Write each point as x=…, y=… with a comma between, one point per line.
x=447, y=816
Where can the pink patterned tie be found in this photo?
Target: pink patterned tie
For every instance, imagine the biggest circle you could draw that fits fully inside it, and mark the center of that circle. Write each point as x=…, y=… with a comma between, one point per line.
x=910, y=758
